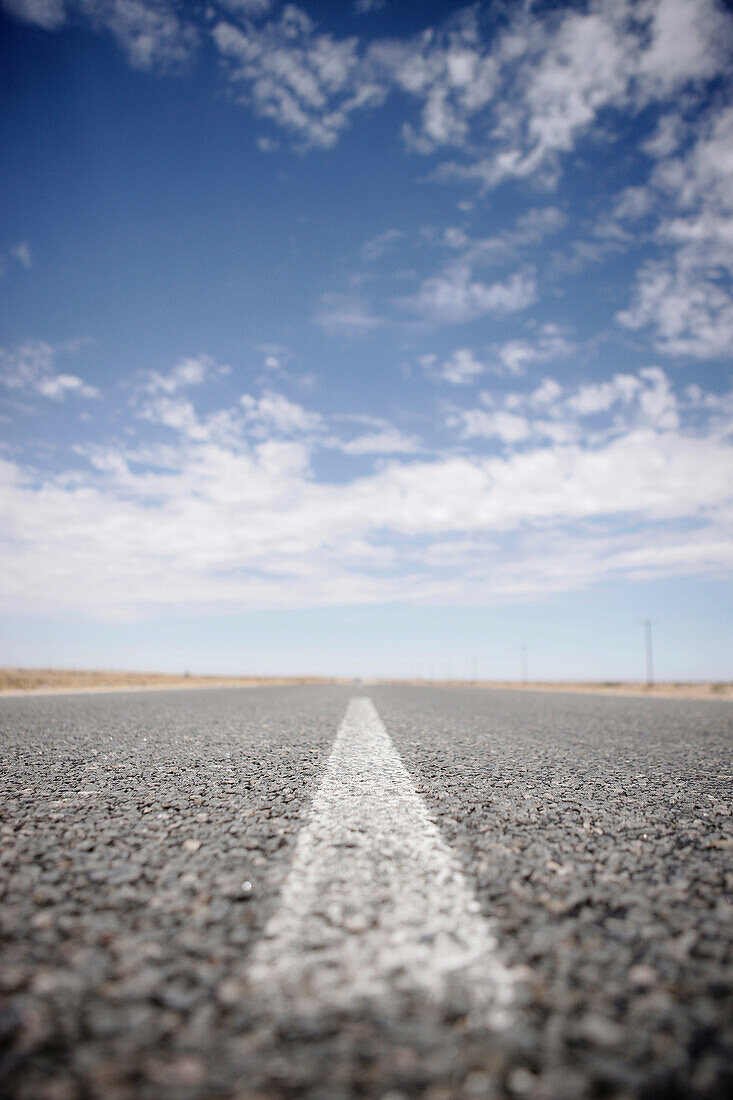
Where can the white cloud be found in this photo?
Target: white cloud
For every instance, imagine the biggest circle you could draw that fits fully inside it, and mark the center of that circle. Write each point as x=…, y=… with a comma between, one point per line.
x=306, y=82
x=246, y=7
x=688, y=40
x=242, y=525
x=461, y=367
x=450, y=73
x=151, y=33
x=388, y=440
x=58, y=385
x=31, y=368
x=537, y=223
x=515, y=356
x=275, y=358
x=19, y=253
x=228, y=512
x=456, y=296
x=621, y=405
x=600, y=397
x=268, y=416
x=685, y=296
x=177, y=414
x=633, y=203
x=507, y=426
x=22, y=253
x=581, y=68
x=366, y=7
x=554, y=75
x=191, y=371
x=511, y=102
x=275, y=412
x=667, y=137
x=267, y=144
x=49, y=14
x=346, y=314
x=378, y=246
x=657, y=402
x=164, y=402
x=692, y=314
x=455, y=237
x=548, y=392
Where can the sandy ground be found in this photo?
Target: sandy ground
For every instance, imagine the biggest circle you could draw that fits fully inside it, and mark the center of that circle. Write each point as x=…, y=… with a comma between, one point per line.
x=29, y=681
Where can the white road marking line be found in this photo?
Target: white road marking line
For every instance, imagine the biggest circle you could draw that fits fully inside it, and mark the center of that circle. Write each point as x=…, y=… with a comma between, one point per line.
x=375, y=907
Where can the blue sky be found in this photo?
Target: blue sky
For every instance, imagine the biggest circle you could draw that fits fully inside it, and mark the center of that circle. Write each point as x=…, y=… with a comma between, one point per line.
x=370, y=338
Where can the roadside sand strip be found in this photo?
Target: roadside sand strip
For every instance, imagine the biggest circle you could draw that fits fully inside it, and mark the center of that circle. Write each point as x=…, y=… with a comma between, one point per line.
x=375, y=908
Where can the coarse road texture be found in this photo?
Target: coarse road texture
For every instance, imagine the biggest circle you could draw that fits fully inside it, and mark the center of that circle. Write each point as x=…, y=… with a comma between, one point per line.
x=159, y=851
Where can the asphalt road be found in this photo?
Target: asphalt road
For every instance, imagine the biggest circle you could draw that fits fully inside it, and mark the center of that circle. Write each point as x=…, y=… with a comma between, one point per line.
x=154, y=846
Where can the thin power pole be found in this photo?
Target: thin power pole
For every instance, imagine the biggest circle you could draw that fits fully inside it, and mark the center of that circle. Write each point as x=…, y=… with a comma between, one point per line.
x=649, y=652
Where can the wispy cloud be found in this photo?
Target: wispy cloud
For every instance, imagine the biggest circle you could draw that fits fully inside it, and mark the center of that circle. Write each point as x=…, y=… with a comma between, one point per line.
x=380, y=245
x=685, y=295
x=273, y=412
x=387, y=440
x=239, y=519
x=503, y=103
x=31, y=368
x=22, y=253
x=456, y=295
x=460, y=367
x=366, y=7
x=18, y=253
x=246, y=7
x=346, y=314
x=307, y=82
x=152, y=33
x=533, y=466
x=49, y=14
x=188, y=372
x=621, y=405
x=515, y=356
x=546, y=80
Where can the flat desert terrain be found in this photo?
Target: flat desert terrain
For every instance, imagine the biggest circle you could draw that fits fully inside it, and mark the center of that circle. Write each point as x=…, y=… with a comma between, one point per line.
x=16, y=681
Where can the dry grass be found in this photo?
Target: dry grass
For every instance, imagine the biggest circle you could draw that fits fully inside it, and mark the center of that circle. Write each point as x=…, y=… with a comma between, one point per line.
x=670, y=690
x=22, y=680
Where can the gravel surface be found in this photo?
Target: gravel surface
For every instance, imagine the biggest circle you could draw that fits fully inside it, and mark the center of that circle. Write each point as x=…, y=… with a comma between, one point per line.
x=145, y=839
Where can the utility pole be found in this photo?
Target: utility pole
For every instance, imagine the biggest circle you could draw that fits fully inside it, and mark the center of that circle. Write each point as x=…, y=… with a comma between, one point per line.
x=649, y=653
x=523, y=663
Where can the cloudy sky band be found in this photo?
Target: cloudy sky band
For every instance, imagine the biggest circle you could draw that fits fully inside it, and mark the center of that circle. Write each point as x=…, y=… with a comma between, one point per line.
x=447, y=311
